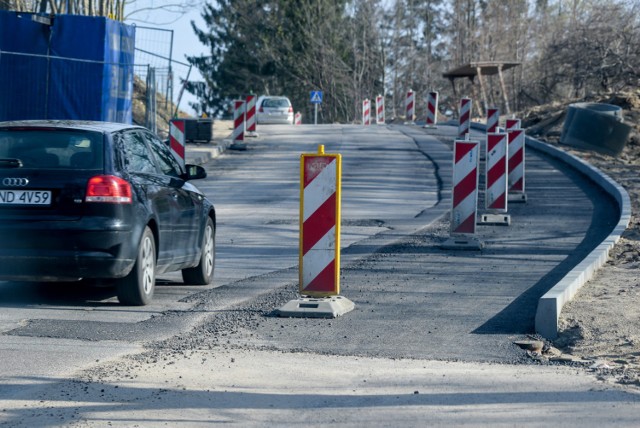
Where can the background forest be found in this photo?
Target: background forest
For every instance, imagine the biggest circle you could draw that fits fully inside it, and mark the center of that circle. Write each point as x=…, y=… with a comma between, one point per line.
x=357, y=49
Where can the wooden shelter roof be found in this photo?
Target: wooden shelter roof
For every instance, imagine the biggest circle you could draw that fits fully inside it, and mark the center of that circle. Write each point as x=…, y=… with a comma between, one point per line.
x=487, y=68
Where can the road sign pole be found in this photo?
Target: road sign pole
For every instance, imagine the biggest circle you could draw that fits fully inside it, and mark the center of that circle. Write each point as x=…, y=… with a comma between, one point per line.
x=316, y=98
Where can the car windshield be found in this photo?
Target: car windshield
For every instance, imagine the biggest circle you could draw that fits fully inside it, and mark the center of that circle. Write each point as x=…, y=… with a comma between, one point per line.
x=275, y=102
x=51, y=148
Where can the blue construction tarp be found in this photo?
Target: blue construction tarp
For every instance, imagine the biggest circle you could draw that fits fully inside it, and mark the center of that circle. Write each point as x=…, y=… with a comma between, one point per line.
x=79, y=67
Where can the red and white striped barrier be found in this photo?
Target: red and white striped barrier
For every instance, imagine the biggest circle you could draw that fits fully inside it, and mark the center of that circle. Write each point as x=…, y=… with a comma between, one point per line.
x=177, y=138
x=237, y=136
x=366, y=112
x=250, y=118
x=432, y=110
x=410, y=106
x=511, y=124
x=516, y=165
x=495, y=195
x=297, y=119
x=466, y=162
x=465, y=186
x=493, y=117
x=320, y=223
x=380, y=110
x=464, y=115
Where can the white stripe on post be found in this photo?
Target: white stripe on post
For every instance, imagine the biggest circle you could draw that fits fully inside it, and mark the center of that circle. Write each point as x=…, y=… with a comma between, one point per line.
x=319, y=190
x=410, y=106
x=432, y=109
x=380, y=110
x=464, y=114
x=177, y=138
x=238, y=121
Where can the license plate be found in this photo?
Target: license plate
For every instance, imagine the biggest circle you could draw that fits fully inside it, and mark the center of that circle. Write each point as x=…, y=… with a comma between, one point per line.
x=25, y=197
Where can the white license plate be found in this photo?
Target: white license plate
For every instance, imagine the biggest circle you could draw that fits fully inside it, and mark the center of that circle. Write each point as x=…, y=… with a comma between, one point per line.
x=25, y=197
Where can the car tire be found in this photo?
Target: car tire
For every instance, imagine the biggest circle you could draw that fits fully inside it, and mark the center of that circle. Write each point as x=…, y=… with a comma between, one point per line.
x=137, y=288
x=202, y=274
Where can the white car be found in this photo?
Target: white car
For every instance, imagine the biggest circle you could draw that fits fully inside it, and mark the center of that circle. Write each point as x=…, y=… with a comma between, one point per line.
x=274, y=110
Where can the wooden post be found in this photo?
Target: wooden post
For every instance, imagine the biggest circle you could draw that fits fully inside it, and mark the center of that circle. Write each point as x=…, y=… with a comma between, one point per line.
x=484, y=92
x=504, y=91
x=475, y=97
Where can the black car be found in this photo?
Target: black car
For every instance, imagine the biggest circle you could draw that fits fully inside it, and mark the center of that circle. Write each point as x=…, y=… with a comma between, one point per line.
x=96, y=200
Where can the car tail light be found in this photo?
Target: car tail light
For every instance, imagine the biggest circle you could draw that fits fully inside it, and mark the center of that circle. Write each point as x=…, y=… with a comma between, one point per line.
x=261, y=109
x=290, y=109
x=109, y=189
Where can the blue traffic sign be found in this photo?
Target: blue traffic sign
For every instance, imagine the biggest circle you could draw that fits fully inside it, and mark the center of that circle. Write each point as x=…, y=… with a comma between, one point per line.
x=316, y=97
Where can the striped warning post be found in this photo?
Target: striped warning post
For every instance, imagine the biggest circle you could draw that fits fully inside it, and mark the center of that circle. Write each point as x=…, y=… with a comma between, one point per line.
x=466, y=162
x=493, y=116
x=237, y=136
x=465, y=186
x=410, y=106
x=177, y=138
x=251, y=116
x=496, y=172
x=366, y=112
x=516, y=166
x=380, y=110
x=432, y=110
x=297, y=119
x=511, y=124
x=464, y=114
x=320, y=176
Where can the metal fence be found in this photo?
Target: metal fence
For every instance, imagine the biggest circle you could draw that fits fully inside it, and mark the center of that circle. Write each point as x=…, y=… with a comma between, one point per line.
x=154, y=47
x=36, y=89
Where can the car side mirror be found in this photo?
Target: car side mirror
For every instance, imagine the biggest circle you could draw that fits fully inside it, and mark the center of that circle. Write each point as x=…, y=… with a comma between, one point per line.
x=195, y=172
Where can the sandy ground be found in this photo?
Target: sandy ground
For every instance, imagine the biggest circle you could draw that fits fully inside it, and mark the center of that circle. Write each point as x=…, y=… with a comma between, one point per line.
x=245, y=388
x=603, y=320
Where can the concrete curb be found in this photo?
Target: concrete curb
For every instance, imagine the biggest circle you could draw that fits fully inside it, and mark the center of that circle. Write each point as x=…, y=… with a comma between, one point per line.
x=199, y=154
x=551, y=303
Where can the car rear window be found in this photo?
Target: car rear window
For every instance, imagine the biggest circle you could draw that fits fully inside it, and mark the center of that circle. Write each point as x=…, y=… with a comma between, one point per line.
x=275, y=102
x=52, y=148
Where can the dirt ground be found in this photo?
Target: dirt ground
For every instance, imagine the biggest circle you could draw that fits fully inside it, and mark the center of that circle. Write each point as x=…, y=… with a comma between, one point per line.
x=602, y=323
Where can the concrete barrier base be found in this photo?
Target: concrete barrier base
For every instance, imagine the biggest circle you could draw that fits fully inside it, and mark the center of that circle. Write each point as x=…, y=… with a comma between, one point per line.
x=495, y=219
x=517, y=197
x=316, y=307
x=462, y=243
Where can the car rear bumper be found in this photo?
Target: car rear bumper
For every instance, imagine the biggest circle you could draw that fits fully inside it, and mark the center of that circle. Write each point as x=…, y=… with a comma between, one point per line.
x=62, y=266
x=284, y=120
x=65, y=254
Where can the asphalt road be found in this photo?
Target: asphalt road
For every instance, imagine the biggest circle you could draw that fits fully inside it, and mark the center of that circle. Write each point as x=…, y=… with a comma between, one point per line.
x=416, y=300
x=52, y=330
x=413, y=299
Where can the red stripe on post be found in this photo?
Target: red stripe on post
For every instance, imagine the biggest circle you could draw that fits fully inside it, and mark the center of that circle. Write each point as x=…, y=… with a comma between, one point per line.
x=320, y=222
x=325, y=281
x=496, y=171
x=515, y=160
x=467, y=226
x=177, y=148
x=465, y=187
x=462, y=150
x=313, y=166
x=500, y=202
